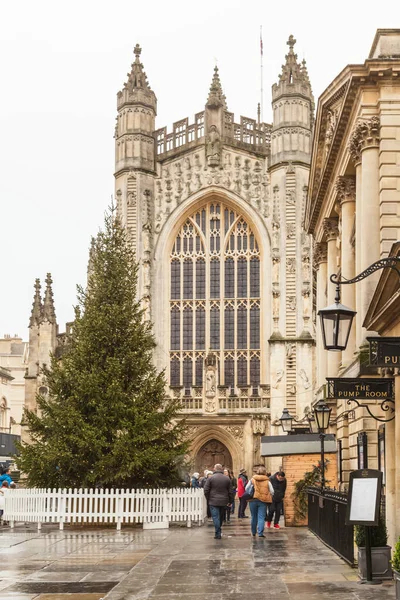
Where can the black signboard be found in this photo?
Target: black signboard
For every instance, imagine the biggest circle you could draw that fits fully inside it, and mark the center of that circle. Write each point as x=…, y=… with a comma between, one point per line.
x=384, y=352
x=348, y=388
x=364, y=497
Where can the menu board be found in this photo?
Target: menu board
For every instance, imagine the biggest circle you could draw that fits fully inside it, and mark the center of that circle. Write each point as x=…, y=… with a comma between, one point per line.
x=363, y=500
x=364, y=497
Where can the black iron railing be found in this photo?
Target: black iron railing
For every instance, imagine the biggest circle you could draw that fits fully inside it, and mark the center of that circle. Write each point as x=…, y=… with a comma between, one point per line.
x=326, y=519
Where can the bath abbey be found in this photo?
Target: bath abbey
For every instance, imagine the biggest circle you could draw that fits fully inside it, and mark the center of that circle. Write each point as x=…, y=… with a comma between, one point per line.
x=215, y=209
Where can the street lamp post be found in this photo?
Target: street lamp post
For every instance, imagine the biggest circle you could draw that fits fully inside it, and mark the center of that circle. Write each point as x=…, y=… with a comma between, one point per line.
x=318, y=422
x=336, y=319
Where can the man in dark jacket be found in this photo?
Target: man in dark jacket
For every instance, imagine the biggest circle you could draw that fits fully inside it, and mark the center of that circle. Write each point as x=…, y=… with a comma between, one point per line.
x=219, y=493
x=279, y=483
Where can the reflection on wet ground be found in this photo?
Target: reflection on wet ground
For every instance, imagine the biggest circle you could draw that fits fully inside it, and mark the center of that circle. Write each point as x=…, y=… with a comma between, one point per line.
x=179, y=563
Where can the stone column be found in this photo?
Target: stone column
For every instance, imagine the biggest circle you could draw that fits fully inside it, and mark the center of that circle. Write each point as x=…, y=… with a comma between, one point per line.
x=397, y=455
x=390, y=468
x=346, y=189
x=365, y=143
x=320, y=261
x=331, y=231
x=355, y=153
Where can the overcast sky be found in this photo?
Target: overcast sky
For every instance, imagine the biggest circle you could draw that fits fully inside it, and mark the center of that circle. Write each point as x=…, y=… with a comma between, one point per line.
x=62, y=65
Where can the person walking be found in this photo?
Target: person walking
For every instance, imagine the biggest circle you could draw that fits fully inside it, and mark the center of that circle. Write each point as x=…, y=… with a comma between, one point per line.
x=242, y=482
x=263, y=493
x=6, y=476
x=3, y=487
x=234, y=485
x=219, y=494
x=279, y=483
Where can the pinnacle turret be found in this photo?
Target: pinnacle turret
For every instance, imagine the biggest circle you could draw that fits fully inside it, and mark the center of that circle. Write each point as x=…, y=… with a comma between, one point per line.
x=292, y=71
x=36, y=314
x=216, y=97
x=48, y=312
x=137, y=78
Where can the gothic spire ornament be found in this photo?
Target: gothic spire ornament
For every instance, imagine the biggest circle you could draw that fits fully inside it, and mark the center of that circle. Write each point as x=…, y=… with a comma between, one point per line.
x=36, y=314
x=216, y=97
x=137, y=78
x=48, y=312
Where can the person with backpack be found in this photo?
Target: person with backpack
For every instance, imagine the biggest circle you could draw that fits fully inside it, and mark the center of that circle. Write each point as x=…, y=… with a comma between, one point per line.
x=262, y=496
x=194, y=481
x=242, y=482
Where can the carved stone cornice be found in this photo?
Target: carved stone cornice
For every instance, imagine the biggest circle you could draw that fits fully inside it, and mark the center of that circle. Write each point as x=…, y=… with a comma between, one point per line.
x=320, y=253
x=365, y=135
x=346, y=189
x=331, y=228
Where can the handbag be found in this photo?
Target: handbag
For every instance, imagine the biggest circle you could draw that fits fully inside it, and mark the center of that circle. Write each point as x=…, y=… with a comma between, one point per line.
x=248, y=491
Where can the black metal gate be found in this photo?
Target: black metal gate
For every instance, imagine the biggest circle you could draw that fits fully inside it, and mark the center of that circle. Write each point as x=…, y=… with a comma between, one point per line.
x=326, y=519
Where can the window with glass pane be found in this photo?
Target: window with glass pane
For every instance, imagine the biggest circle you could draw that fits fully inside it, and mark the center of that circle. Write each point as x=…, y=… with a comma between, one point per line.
x=229, y=367
x=214, y=328
x=175, y=372
x=242, y=278
x=254, y=327
x=255, y=277
x=175, y=328
x=200, y=328
x=188, y=279
x=187, y=374
x=229, y=327
x=242, y=327
x=242, y=370
x=215, y=256
x=187, y=329
x=175, y=279
x=254, y=371
x=214, y=278
x=199, y=370
x=200, y=278
x=229, y=278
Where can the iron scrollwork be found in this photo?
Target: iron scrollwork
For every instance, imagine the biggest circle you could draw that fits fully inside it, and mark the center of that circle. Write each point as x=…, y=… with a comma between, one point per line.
x=392, y=262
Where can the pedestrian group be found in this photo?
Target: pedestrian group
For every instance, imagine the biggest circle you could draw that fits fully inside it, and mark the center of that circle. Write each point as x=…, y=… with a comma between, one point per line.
x=263, y=492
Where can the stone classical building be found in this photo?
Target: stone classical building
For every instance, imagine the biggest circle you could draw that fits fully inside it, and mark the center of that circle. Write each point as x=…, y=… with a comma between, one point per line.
x=13, y=362
x=215, y=212
x=353, y=213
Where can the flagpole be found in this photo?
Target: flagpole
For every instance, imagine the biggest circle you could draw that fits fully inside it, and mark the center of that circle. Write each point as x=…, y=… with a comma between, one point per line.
x=261, y=76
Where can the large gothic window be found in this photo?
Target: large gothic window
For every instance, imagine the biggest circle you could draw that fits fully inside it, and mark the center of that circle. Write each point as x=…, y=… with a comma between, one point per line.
x=215, y=298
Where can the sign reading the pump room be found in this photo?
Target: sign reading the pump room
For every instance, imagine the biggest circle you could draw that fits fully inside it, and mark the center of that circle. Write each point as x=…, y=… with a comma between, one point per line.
x=348, y=388
x=384, y=352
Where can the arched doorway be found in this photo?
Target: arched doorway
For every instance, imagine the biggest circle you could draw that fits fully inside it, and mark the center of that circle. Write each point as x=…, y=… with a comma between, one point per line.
x=211, y=453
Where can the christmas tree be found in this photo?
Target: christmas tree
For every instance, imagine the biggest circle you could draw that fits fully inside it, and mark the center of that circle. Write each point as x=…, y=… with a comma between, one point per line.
x=106, y=420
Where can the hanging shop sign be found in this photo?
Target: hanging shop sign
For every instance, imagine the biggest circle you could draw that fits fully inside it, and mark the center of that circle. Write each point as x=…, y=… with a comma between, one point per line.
x=384, y=352
x=348, y=388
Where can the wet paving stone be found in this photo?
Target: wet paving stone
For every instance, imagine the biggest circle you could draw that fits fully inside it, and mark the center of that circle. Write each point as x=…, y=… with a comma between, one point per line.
x=176, y=564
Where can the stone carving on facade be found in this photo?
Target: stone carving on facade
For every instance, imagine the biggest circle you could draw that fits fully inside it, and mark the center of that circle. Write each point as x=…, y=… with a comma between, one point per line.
x=278, y=378
x=346, y=189
x=331, y=228
x=331, y=121
x=320, y=253
x=291, y=230
x=291, y=302
x=236, y=432
x=366, y=134
x=291, y=197
x=258, y=425
x=210, y=382
x=303, y=376
x=291, y=264
x=213, y=147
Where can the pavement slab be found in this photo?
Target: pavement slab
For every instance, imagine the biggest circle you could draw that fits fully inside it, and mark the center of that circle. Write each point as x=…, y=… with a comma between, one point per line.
x=176, y=564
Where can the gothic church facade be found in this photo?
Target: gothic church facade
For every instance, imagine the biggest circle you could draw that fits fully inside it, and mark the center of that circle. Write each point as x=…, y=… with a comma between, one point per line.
x=215, y=213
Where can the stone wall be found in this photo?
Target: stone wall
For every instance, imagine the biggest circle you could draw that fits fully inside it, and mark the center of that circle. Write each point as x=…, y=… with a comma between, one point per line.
x=295, y=466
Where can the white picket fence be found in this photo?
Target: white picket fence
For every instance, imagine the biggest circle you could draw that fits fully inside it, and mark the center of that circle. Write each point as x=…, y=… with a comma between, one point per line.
x=154, y=508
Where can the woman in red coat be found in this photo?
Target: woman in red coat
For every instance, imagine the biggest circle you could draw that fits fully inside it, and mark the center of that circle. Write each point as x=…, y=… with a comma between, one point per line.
x=242, y=482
